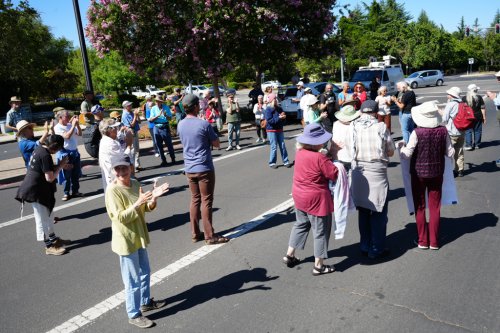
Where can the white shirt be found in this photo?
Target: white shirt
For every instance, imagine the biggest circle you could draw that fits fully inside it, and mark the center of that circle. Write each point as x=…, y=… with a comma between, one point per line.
x=71, y=143
x=383, y=108
x=339, y=133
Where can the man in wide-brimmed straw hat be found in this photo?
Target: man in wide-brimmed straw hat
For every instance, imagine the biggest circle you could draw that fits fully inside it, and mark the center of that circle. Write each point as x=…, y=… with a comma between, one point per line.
x=457, y=137
x=14, y=114
x=429, y=143
x=27, y=142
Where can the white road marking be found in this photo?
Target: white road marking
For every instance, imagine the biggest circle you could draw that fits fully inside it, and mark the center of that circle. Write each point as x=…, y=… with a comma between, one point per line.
x=91, y=314
x=145, y=181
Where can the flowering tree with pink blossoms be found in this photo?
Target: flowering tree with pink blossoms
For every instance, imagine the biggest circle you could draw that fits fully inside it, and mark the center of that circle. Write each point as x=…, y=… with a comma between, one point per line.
x=185, y=37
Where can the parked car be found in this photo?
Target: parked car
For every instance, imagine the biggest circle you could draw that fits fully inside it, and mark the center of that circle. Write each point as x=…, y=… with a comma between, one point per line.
x=197, y=90
x=425, y=78
x=291, y=108
x=222, y=90
x=273, y=84
x=149, y=90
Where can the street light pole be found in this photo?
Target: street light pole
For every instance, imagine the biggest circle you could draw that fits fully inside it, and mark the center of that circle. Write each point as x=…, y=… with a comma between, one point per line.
x=83, y=48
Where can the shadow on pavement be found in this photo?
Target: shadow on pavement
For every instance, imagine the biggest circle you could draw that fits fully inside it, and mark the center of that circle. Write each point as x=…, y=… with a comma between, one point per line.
x=104, y=236
x=483, y=167
x=228, y=285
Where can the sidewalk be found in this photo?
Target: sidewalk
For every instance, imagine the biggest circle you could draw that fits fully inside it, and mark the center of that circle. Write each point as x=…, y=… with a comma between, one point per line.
x=13, y=170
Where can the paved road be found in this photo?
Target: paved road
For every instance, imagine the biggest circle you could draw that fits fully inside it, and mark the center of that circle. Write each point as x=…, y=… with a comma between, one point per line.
x=242, y=286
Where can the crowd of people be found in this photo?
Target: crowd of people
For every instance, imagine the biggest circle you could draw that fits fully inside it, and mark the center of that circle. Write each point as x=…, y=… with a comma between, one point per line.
x=349, y=139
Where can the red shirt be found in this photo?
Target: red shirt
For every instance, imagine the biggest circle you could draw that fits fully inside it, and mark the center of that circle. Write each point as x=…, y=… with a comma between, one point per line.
x=310, y=191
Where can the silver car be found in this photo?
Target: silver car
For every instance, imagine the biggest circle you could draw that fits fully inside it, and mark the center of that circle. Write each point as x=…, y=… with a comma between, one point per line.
x=426, y=78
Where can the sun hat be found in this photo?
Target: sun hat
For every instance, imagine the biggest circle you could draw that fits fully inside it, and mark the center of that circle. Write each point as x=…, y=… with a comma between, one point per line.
x=310, y=100
x=190, y=100
x=119, y=160
x=126, y=103
x=347, y=113
x=426, y=115
x=300, y=83
x=314, y=134
x=271, y=97
x=57, y=109
x=23, y=124
x=473, y=87
x=359, y=84
x=14, y=99
x=115, y=114
x=454, y=91
x=349, y=101
x=308, y=89
x=97, y=109
x=369, y=106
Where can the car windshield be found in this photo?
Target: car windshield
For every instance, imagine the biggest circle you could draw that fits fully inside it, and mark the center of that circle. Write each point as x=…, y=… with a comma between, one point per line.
x=291, y=92
x=416, y=74
x=365, y=75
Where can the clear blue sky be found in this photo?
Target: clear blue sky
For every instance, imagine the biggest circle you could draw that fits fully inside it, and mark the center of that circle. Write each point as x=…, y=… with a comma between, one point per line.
x=59, y=14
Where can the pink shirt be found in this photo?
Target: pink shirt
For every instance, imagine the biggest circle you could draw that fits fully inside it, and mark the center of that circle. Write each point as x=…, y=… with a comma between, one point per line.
x=310, y=191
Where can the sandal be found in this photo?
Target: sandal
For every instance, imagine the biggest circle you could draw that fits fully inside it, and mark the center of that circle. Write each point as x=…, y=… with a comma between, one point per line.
x=197, y=238
x=290, y=262
x=216, y=240
x=325, y=269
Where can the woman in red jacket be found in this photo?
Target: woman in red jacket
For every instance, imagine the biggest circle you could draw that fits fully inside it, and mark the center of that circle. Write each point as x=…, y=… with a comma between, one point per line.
x=312, y=197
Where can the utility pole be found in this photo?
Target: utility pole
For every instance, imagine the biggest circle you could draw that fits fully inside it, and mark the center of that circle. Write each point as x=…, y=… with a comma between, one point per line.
x=83, y=48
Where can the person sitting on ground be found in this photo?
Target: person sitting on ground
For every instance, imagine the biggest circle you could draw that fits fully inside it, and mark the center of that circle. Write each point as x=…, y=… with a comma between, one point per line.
x=27, y=142
x=126, y=205
x=312, y=197
x=38, y=188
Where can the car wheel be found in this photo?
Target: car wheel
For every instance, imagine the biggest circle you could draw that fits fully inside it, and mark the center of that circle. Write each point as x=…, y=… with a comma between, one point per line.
x=414, y=85
x=439, y=82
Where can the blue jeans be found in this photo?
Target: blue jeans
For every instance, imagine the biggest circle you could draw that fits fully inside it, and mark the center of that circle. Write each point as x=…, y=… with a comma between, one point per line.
x=136, y=276
x=372, y=230
x=163, y=135
x=407, y=125
x=477, y=130
x=277, y=139
x=233, y=128
x=72, y=176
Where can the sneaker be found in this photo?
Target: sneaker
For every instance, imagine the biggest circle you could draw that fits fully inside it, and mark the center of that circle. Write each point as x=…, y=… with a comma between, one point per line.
x=229, y=148
x=153, y=305
x=289, y=165
x=59, y=242
x=468, y=148
x=476, y=147
x=273, y=166
x=258, y=140
x=498, y=163
x=238, y=147
x=157, y=155
x=55, y=251
x=65, y=197
x=434, y=247
x=141, y=322
x=423, y=247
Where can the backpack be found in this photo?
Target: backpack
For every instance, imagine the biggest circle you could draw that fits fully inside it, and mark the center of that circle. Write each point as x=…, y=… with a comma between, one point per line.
x=465, y=118
x=91, y=139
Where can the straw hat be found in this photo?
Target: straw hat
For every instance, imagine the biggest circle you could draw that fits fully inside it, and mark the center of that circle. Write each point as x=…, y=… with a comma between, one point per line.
x=426, y=115
x=14, y=99
x=359, y=83
x=115, y=114
x=23, y=124
x=347, y=113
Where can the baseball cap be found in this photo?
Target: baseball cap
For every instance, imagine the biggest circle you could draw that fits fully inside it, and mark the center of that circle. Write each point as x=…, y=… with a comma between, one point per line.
x=190, y=100
x=369, y=106
x=119, y=160
x=126, y=103
x=97, y=109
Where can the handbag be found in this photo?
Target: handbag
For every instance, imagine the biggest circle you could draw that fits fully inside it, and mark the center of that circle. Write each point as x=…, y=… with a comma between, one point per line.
x=263, y=123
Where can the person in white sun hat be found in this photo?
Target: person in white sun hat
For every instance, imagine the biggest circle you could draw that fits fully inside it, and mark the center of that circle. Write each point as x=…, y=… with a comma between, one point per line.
x=476, y=102
x=429, y=143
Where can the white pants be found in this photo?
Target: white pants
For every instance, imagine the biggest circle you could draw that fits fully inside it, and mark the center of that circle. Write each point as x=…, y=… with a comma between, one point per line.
x=44, y=224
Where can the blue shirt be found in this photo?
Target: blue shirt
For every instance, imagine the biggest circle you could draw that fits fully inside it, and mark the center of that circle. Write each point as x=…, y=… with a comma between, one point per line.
x=196, y=137
x=27, y=146
x=127, y=118
x=164, y=116
x=13, y=117
x=300, y=93
x=148, y=115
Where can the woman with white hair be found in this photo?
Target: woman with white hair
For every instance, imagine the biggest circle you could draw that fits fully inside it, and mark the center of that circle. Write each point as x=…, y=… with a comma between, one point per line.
x=476, y=103
x=110, y=146
x=457, y=137
x=258, y=111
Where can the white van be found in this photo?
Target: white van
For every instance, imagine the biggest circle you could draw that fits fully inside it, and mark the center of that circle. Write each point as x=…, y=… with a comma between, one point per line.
x=389, y=74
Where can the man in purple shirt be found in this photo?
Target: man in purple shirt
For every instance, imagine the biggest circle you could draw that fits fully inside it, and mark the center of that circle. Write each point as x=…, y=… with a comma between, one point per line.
x=197, y=137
